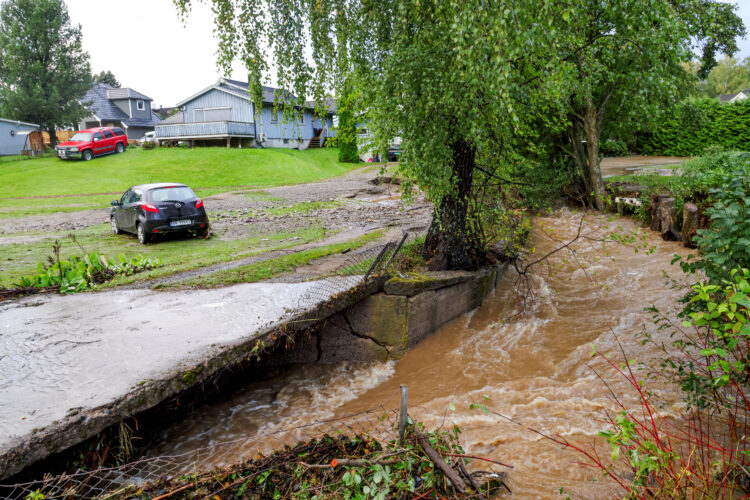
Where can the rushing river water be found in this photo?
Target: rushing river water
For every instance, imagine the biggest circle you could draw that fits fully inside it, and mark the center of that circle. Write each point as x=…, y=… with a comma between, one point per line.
x=529, y=354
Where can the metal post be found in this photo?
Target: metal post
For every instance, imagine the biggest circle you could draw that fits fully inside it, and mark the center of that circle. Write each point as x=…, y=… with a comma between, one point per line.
x=403, y=416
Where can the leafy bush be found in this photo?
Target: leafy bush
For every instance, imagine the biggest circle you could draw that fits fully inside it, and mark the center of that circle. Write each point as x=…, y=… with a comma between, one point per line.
x=725, y=245
x=614, y=147
x=697, y=124
x=699, y=182
x=79, y=273
x=149, y=145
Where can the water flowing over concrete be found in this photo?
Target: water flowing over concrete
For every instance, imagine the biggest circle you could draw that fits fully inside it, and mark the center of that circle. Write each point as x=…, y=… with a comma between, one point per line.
x=62, y=356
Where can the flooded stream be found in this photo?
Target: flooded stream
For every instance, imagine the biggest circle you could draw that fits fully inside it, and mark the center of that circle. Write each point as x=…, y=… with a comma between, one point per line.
x=528, y=359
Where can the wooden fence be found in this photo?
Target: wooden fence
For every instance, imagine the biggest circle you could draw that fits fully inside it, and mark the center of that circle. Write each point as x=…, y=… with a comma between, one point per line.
x=62, y=136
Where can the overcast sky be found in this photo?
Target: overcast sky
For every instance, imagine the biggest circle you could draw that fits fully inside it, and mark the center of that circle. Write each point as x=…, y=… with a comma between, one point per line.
x=148, y=48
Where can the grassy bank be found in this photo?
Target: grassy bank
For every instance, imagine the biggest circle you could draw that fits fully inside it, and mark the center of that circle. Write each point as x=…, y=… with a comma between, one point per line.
x=79, y=185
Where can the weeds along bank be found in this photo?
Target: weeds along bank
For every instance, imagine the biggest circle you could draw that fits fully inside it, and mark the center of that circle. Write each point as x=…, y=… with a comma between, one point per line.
x=705, y=453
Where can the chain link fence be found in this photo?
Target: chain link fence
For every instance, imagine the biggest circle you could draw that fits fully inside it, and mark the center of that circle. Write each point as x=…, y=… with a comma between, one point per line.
x=379, y=423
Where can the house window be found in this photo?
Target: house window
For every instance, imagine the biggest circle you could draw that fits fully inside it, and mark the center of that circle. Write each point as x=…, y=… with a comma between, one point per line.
x=213, y=114
x=217, y=114
x=274, y=116
x=140, y=105
x=286, y=141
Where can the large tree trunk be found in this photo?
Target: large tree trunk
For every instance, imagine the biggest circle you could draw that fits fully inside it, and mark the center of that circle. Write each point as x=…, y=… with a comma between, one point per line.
x=446, y=245
x=592, y=129
x=52, y=136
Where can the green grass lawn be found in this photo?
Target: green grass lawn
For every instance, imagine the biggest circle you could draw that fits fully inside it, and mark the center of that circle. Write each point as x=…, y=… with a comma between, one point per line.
x=207, y=170
x=21, y=259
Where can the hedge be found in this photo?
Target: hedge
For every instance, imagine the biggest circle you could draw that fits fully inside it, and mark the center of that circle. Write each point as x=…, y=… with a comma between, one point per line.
x=697, y=124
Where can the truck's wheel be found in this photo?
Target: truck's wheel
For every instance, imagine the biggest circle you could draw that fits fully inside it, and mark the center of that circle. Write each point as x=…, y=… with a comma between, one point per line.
x=87, y=155
x=120, y=147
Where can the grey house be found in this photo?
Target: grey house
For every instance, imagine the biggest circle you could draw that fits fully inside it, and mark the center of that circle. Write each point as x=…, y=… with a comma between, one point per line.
x=13, y=135
x=223, y=112
x=124, y=107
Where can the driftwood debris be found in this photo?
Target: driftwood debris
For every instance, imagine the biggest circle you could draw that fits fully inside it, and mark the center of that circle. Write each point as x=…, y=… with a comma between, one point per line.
x=437, y=459
x=689, y=224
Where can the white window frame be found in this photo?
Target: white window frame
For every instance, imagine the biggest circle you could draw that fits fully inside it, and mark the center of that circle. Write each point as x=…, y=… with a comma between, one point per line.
x=140, y=105
x=274, y=115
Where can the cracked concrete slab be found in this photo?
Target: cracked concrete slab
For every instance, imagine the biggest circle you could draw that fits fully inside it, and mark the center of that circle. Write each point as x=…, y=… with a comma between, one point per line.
x=67, y=357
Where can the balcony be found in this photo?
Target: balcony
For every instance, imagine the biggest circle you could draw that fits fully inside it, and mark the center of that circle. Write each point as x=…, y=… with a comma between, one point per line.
x=204, y=130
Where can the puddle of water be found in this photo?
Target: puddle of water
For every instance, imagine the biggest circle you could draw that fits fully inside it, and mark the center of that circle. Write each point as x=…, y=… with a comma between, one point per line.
x=533, y=366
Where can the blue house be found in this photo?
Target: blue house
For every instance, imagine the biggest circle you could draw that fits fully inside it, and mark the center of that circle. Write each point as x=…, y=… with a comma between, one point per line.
x=13, y=136
x=119, y=107
x=223, y=113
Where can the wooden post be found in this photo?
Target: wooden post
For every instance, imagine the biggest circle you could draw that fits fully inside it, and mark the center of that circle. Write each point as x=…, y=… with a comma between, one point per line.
x=403, y=415
x=689, y=224
x=229, y=142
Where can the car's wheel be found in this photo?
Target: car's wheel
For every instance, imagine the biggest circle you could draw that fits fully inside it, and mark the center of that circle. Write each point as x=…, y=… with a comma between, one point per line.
x=87, y=155
x=113, y=224
x=120, y=147
x=143, y=236
x=202, y=233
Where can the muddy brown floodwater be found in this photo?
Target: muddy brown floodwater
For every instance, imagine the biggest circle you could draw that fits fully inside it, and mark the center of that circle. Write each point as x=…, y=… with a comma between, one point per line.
x=528, y=359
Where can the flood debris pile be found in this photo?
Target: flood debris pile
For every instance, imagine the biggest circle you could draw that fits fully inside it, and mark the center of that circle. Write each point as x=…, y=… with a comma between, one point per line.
x=428, y=465
x=339, y=467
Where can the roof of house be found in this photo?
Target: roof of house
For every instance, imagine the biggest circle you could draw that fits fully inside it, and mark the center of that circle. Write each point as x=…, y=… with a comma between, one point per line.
x=731, y=97
x=329, y=104
x=240, y=89
x=162, y=112
x=100, y=104
x=126, y=93
x=175, y=118
x=16, y=122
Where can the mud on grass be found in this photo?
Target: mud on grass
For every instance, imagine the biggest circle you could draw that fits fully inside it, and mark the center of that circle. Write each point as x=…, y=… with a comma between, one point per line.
x=272, y=268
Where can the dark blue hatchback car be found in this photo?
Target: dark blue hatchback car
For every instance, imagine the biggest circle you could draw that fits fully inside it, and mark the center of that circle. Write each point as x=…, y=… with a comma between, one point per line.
x=154, y=209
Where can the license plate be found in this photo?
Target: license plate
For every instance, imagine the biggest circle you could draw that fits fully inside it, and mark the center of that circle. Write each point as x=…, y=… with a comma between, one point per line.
x=185, y=222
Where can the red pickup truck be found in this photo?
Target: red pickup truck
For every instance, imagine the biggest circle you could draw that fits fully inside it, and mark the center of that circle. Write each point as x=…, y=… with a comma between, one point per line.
x=93, y=142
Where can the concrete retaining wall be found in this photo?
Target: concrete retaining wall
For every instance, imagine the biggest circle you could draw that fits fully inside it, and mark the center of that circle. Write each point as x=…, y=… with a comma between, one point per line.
x=385, y=325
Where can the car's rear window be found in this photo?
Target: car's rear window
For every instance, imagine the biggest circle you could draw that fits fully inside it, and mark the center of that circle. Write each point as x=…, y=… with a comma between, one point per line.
x=118, y=131
x=81, y=136
x=176, y=193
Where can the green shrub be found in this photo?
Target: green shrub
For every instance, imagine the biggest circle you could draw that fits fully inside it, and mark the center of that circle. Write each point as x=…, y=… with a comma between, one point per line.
x=79, y=273
x=614, y=147
x=698, y=124
x=725, y=245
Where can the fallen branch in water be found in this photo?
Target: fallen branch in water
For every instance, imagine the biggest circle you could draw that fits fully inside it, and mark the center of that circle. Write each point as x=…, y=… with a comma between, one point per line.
x=438, y=461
